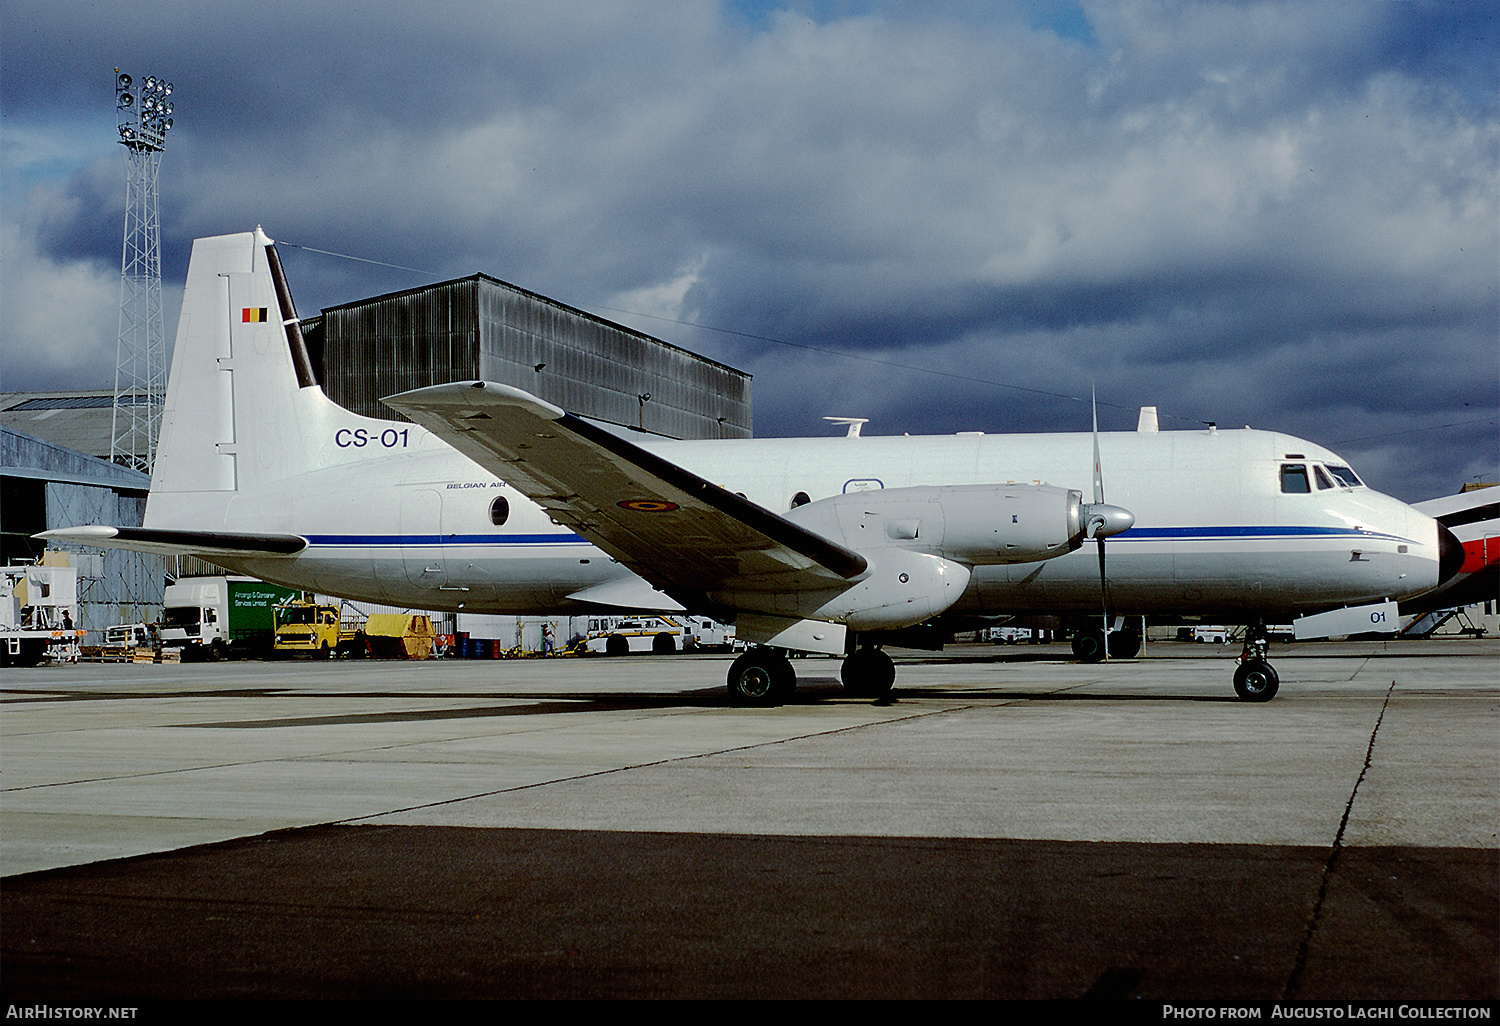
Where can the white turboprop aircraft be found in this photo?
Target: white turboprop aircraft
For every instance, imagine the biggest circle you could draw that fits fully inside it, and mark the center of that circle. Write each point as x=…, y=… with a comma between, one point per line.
x=495, y=501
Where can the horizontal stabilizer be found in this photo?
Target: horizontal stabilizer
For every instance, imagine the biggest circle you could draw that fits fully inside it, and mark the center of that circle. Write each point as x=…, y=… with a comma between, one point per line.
x=682, y=533
x=208, y=544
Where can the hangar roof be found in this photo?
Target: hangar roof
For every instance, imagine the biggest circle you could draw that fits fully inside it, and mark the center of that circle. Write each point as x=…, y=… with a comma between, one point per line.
x=24, y=455
x=78, y=419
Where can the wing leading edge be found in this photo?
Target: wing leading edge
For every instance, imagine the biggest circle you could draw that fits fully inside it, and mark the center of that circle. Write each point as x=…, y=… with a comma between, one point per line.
x=684, y=534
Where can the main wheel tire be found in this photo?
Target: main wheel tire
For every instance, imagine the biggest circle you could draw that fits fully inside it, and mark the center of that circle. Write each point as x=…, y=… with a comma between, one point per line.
x=1256, y=681
x=663, y=644
x=868, y=673
x=760, y=678
x=616, y=645
x=1088, y=645
x=1124, y=644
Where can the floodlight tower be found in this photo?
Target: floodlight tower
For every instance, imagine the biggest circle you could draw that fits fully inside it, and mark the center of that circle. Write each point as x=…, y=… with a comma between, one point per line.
x=144, y=116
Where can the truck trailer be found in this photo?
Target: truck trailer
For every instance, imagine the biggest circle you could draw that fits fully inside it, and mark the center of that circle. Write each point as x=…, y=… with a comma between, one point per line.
x=220, y=617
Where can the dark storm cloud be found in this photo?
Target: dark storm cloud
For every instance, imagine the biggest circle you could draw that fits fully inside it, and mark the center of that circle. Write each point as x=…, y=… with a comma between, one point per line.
x=1281, y=214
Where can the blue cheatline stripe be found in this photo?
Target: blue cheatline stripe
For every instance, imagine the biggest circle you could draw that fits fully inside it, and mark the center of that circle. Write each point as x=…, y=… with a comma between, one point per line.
x=1158, y=534
x=387, y=540
x=1225, y=533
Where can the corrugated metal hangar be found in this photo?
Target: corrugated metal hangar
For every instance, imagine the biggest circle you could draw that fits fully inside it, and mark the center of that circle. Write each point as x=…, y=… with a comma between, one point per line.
x=45, y=485
x=468, y=328
x=481, y=327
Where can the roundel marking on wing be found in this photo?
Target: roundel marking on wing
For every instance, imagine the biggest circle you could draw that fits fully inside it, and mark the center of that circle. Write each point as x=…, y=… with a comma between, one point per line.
x=647, y=505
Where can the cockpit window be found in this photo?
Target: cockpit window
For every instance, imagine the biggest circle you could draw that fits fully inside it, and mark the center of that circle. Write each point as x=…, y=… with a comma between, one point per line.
x=1294, y=478
x=1346, y=477
x=1324, y=481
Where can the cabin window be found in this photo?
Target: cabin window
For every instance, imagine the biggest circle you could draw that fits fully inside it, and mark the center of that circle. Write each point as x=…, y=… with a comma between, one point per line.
x=1324, y=481
x=800, y=499
x=499, y=511
x=1294, y=478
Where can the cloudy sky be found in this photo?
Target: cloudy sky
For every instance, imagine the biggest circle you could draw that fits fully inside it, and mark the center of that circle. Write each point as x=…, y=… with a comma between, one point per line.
x=939, y=215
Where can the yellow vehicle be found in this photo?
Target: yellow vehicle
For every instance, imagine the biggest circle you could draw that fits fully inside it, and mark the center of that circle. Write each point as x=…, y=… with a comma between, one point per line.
x=303, y=626
x=399, y=636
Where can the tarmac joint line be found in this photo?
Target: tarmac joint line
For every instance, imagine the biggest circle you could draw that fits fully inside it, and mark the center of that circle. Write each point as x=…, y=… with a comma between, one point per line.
x=1313, y=920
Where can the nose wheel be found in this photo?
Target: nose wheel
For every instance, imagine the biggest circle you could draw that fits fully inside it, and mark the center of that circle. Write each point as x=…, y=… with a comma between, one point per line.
x=1255, y=680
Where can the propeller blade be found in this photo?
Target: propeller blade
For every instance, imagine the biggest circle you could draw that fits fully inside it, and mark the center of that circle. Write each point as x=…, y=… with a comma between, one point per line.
x=1104, y=593
x=1098, y=474
x=1097, y=522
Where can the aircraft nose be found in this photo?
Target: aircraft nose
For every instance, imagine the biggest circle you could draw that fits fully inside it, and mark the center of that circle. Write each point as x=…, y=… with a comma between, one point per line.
x=1450, y=555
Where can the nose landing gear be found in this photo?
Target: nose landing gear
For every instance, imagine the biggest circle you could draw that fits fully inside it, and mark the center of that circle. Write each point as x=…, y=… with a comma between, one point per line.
x=1255, y=680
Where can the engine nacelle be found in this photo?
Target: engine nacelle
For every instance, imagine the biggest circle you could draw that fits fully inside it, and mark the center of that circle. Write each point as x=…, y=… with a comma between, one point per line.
x=921, y=544
x=900, y=589
x=973, y=524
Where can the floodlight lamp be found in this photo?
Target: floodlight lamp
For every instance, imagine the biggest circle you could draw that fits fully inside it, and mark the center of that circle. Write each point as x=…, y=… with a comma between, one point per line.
x=147, y=103
x=126, y=99
x=167, y=90
x=123, y=82
x=166, y=124
x=166, y=108
x=150, y=81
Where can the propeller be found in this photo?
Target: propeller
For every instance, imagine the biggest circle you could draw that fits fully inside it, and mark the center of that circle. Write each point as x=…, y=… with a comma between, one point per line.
x=1101, y=521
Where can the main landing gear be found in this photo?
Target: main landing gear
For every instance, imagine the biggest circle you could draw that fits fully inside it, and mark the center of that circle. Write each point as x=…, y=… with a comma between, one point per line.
x=1088, y=644
x=868, y=673
x=1255, y=680
x=764, y=677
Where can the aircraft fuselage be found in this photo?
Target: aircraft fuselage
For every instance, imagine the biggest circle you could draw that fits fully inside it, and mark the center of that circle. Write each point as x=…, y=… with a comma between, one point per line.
x=1214, y=530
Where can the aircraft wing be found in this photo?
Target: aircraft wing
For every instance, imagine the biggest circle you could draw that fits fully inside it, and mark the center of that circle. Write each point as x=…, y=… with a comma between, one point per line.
x=209, y=544
x=682, y=533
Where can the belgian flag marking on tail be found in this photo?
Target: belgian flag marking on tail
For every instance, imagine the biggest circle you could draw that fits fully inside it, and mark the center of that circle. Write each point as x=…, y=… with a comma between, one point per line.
x=253, y=314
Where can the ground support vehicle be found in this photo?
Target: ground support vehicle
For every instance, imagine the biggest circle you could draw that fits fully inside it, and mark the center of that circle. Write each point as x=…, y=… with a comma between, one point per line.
x=1009, y=635
x=38, y=604
x=217, y=617
x=399, y=636
x=306, y=627
x=661, y=635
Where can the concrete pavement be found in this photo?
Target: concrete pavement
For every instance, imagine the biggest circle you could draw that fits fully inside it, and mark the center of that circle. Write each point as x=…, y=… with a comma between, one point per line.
x=1113, y=817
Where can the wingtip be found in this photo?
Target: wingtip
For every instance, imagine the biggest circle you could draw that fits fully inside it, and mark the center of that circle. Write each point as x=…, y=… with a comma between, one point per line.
x=78, y=535
x=463, y=393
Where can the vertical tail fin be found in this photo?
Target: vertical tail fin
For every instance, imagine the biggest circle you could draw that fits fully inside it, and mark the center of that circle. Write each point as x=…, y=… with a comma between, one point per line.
x=243, y=410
